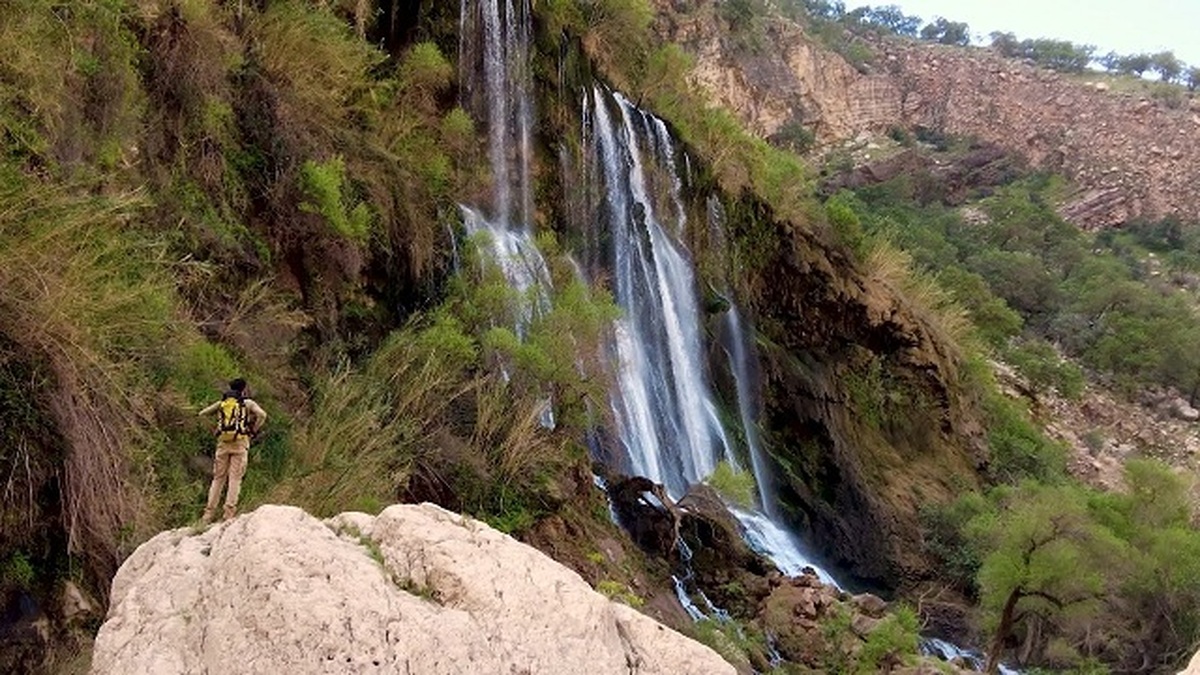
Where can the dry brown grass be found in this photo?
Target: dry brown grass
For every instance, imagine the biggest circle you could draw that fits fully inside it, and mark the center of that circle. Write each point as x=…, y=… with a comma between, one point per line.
x=933, y=306
x=321, y=70
x=91, y=300
x=368, y=427
x=511, y=434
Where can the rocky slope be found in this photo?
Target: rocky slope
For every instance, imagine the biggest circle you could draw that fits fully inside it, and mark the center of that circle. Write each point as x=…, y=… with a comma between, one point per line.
x=1128, y=155
x=415, y=589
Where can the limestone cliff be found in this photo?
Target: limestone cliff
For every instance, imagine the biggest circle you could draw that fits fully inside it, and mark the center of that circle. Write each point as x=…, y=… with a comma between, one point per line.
x=1128, y=155
x=416, y=589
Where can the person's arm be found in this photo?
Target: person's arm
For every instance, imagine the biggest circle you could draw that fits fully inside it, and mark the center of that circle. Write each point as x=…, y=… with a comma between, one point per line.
x=260, y=415
x=209, y=410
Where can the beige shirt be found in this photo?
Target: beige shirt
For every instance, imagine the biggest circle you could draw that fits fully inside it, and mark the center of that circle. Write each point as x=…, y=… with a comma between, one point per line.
x=260, y=415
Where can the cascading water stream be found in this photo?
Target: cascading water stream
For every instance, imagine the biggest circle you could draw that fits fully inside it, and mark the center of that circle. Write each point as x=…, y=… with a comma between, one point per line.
x=765, y=531
x=667, y=419
x=664, y=407
x=494, y=54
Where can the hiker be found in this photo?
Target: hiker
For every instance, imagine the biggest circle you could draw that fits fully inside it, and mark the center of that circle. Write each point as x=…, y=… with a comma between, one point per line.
x=234, y=431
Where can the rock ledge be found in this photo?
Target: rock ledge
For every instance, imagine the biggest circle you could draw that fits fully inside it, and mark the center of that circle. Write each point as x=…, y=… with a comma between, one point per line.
x=416, y=589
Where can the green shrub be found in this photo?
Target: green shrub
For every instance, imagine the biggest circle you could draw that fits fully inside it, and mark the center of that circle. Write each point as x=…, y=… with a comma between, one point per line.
x=894, y=640
x=615, y=590
x=735, y=485
x=1040, y=363
x=1018, y=449
x=944, y=534
x=424, y=68
x=17, y=571
x=324, y=187
x=846, y=223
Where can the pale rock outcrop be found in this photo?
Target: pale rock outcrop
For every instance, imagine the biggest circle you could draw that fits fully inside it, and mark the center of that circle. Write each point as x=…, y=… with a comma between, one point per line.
x=1193, y=668
x=416, y=589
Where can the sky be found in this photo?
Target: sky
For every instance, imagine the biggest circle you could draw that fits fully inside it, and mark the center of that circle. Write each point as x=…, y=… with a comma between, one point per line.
x=1123, y=26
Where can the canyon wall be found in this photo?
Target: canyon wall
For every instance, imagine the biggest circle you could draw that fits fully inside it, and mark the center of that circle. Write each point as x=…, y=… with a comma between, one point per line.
x=1127, y=155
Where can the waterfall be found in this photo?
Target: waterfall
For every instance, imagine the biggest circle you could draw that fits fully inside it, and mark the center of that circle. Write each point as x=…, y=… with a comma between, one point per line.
x=665, y=410
x=494, y=55
x=494, y=60
x=743, y=368
x=666, y=416
x=765, y=532
x=519, y=259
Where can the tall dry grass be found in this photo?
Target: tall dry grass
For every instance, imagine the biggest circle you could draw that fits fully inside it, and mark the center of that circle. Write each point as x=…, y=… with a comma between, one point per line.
x=92, y=299
x=370, y=425
x=948, y=322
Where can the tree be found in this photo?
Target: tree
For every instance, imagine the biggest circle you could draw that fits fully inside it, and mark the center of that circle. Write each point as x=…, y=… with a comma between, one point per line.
x=739, y=13
x=1006, y=43
x=1135, y=64
x=824, y=9
x=895, y=20
x=1059, y=55
x=947, y=32
x=1112, y=61
x=1193, y=78
x=1048, y=556
x=1166, y=65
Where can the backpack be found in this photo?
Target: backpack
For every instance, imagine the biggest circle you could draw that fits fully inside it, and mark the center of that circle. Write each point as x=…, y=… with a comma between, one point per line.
x=231, y=418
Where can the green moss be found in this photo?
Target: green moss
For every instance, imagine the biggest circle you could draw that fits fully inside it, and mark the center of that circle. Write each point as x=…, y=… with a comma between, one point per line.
x=615, y=590
x=17, y=570
x=735, y=485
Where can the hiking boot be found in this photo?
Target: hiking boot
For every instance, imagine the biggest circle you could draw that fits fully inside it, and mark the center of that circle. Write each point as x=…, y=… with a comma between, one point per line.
x=206, y=517
x=230, y=512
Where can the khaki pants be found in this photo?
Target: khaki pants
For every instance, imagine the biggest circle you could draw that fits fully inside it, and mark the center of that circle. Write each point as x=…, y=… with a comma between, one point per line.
x=229, y=463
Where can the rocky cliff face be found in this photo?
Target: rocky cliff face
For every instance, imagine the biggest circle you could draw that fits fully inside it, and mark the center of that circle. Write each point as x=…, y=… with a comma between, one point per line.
x=416, y=589
x=1128, y=156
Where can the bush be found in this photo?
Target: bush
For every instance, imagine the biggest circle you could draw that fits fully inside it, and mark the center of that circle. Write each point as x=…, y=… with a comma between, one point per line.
x=1018, y=449
x=1040, y=363
x=324, y=185
x=845, y=222
x=615, y=590
x=735, y=485
x=794, y=136
x=17, y=571
x=893, y=640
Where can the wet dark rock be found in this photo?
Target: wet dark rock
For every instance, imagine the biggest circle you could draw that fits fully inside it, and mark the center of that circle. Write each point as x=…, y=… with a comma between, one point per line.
x=24, y=633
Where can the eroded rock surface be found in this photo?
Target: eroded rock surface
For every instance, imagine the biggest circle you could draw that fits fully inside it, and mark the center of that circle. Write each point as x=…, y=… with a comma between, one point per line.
x=1130, y=155
x=416, y=589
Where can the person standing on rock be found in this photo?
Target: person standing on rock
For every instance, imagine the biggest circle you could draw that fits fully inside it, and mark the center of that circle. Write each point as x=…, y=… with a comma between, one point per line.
x=234, y=430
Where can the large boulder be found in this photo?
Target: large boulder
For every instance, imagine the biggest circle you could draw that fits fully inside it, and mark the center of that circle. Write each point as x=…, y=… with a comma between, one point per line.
x=416, y=589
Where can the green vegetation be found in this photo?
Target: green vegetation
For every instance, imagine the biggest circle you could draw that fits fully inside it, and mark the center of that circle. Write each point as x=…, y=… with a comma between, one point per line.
x=323, y=185
x=192, y=190
x=1077, y=563
x=615, y=590
x=1058, y=55
x=890, y=643
x=1021, y=272
x=158, y=173
x=17, y=571
x=733, y=484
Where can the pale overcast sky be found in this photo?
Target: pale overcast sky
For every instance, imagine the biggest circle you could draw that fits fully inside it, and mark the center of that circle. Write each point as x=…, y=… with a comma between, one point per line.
x=1124, y=26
